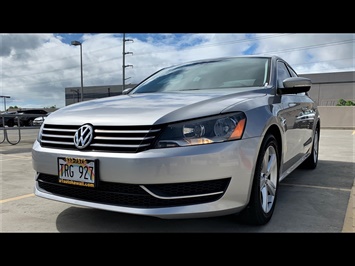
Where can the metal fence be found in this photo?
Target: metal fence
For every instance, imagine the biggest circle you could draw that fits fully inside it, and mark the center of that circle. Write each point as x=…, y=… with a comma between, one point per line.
x=16, y=127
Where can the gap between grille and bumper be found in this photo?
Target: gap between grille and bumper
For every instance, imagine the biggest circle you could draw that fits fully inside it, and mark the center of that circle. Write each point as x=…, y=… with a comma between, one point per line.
x=134, y=196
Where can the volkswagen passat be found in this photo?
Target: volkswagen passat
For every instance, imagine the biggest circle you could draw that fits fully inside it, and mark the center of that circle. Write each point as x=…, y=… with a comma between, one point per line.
x=201, y=139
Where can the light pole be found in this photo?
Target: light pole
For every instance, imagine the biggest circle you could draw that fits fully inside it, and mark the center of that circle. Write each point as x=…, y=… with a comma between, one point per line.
x=2, y=96
x=76, y=43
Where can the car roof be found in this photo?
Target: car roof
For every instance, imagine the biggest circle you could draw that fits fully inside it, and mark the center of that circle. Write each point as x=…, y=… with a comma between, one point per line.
x=272, y=57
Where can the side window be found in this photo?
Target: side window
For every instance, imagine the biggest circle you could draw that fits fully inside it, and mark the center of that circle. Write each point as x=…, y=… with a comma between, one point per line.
x=282, y=73
x=293, y=73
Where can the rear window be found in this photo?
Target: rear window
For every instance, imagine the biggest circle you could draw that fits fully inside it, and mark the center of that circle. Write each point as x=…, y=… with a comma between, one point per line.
x=32, y=112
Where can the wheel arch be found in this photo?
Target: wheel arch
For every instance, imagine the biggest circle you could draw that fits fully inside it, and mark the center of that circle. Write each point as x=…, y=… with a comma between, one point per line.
x=275, y=131
x=248, y=213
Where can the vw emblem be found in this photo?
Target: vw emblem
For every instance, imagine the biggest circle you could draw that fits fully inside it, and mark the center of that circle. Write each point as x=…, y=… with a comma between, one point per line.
x=83, y=136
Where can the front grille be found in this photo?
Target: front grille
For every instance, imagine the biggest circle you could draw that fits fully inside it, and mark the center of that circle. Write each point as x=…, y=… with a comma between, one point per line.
x=129, y=139
x=134, y=196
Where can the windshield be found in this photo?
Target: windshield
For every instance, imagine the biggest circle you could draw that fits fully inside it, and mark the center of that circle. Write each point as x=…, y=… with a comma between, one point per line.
x=212, y=74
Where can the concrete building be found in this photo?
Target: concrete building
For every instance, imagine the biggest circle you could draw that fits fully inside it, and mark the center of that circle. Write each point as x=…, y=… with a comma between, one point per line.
x=327, y=89
x=72, y=94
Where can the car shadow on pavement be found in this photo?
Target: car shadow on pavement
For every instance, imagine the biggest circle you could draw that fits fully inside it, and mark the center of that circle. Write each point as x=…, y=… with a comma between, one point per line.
x=308, y=201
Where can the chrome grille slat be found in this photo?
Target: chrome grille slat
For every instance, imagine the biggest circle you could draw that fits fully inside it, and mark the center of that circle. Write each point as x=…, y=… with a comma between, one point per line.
x=119, y=145
x=125, y=131
x=127, y=139
x=58, y=136
x=120, y=138
x=60, y=130
x=58, y=142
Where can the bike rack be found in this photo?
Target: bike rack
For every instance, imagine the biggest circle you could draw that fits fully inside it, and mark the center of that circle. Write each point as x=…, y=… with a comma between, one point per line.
x=18, y=128
x=6, y=137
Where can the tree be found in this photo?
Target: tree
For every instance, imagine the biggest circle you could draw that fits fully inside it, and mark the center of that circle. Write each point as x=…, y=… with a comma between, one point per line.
x=342, y=102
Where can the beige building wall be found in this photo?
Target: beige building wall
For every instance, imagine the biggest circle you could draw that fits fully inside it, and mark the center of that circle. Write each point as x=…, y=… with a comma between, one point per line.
x=331, y=93
x=328, y=88
x=337, y=117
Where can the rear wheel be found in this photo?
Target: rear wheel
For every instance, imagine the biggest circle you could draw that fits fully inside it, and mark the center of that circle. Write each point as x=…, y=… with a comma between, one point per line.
x=312, y=160
x=265, y=184
x=10, y=123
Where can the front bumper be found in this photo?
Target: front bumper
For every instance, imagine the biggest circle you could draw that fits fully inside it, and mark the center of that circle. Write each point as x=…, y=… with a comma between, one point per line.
x=152, y=171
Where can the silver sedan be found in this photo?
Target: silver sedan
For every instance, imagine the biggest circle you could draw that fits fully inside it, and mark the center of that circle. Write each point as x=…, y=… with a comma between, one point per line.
x=205, y=138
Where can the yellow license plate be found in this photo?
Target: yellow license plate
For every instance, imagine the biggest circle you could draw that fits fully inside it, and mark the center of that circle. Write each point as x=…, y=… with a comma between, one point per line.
x=77, y=171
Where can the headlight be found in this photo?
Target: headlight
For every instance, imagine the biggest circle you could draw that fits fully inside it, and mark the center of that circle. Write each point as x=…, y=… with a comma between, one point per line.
x=203, y=131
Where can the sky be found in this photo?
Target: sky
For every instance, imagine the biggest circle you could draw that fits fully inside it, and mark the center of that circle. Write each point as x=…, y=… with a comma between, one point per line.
x=36, y=68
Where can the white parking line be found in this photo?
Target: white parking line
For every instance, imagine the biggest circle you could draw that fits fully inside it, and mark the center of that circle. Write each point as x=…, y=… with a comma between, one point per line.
x=320, y=187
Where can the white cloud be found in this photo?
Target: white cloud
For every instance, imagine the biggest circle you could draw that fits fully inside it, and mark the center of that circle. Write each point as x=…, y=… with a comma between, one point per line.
x=36, y=68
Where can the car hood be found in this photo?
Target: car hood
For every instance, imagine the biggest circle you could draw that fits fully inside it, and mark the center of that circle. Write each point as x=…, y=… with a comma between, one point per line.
x=148, y=108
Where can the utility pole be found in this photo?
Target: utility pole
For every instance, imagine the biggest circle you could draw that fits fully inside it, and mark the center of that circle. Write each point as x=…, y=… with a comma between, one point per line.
x=124, y=53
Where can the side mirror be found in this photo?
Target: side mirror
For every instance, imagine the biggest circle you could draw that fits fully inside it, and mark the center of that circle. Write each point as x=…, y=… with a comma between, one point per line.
x=295, y=85
x=126, y=91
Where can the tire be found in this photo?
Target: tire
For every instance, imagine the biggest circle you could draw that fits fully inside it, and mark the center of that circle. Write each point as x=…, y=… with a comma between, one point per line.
x=265, y=185
x=10, y=123
x=312, y=160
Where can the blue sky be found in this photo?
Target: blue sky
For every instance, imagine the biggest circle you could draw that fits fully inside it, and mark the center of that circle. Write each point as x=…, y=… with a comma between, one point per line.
x=36, y=68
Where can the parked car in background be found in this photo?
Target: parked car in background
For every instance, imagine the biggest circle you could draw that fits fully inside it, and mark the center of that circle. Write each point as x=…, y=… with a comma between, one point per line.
x=200, y=139
x=39, y=120
x=7, y=119
x=27, y=116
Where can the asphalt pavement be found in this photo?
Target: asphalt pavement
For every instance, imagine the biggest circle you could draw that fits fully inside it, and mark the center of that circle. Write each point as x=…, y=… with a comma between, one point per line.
x=320, y=200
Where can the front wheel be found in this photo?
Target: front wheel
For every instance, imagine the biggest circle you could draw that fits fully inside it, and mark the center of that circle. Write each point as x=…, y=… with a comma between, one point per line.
x=265, y=184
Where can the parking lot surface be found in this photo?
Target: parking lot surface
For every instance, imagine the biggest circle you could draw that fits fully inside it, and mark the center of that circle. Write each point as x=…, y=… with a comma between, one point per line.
x=322, y=200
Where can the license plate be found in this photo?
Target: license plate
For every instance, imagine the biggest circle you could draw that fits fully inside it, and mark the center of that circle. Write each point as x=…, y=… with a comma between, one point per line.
x=77, y=171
